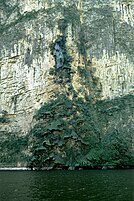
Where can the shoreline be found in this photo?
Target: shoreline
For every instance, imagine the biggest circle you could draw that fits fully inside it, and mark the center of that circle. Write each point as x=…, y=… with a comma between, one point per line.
x=62, y=169
x=15, y=168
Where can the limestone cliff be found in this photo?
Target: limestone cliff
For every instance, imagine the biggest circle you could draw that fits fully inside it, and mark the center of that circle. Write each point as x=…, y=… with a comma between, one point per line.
x=80, y=51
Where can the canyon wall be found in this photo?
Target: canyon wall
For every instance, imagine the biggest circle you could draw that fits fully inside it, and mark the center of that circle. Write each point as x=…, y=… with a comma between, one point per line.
x=78, y=49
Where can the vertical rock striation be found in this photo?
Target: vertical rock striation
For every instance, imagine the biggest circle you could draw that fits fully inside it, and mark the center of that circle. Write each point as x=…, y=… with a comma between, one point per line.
x=81, y=49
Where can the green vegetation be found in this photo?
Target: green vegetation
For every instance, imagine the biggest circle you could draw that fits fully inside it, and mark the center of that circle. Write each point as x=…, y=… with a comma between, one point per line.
x=71, y=131
x=98, y=26
x=12, y=148
x=66, y=134
x=63, y=133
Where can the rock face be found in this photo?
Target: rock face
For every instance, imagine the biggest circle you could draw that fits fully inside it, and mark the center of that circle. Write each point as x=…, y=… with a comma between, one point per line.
x=51, y=50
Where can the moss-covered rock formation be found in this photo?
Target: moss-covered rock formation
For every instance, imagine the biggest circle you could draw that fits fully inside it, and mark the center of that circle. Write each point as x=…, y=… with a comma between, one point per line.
x=74, y=132
x=13, y=149
x=70, y=65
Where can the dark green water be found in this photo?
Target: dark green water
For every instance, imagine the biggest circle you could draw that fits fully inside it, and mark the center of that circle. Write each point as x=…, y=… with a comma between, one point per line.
x=92, y=185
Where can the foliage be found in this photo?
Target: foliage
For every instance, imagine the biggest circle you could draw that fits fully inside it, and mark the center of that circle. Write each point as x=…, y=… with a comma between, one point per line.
x=62, y=135
x=75, y=131
x=66, y=134
x=70, y=130
x=12, y=148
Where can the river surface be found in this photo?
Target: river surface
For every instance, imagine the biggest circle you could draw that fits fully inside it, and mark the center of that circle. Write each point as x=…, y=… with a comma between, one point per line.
x=88, y=185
